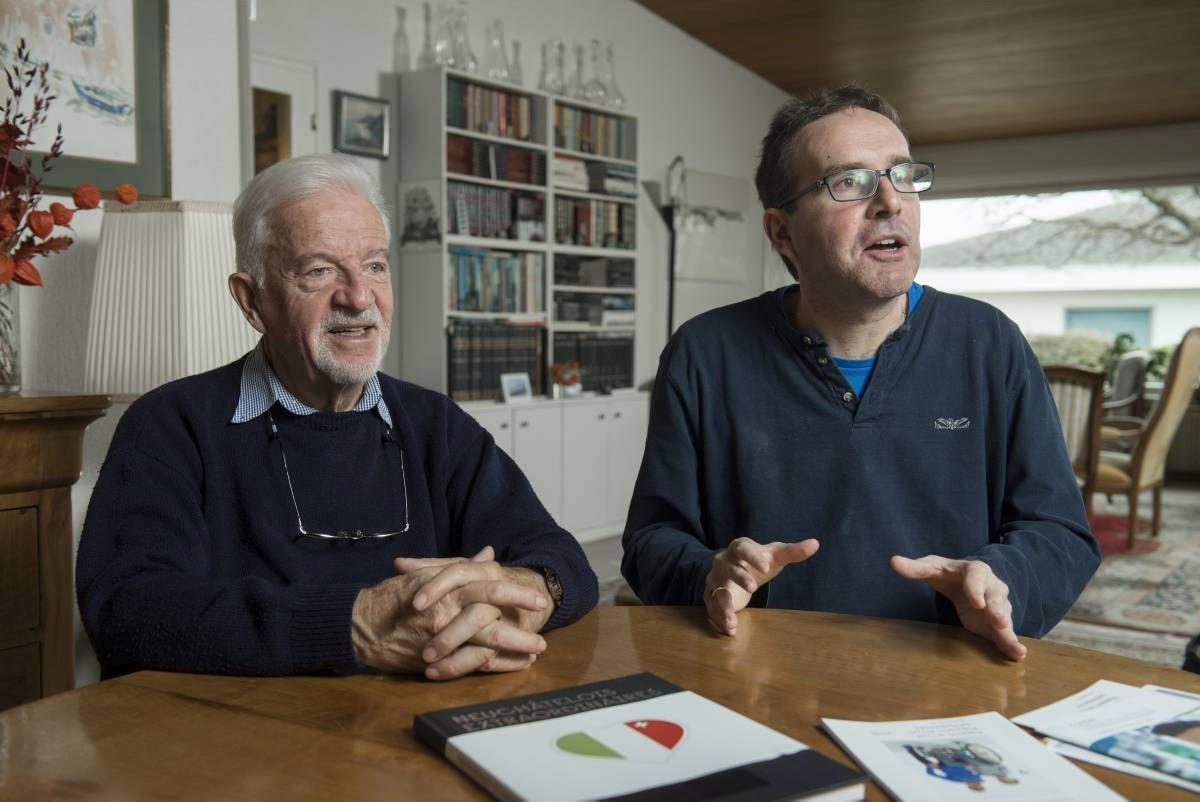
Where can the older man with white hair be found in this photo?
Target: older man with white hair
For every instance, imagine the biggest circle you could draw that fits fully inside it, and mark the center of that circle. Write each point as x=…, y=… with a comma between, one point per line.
x=297, y=510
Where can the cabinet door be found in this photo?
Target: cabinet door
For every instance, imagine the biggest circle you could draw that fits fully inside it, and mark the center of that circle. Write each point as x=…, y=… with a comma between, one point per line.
x=499, y=423
x=626, y=442
x=585, y=465
x=537, y=449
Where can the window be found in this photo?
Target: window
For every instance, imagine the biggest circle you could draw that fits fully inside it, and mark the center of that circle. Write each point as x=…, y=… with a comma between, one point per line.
x=1111, y=322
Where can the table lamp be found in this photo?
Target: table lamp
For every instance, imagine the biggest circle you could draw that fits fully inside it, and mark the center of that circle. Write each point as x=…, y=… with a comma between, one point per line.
x=161, y=309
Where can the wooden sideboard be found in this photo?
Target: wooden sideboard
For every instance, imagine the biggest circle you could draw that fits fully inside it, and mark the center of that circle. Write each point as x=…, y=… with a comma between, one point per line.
x=41, y=453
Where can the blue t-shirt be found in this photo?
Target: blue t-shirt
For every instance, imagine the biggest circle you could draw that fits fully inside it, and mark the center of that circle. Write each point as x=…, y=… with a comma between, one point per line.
x=858, y=371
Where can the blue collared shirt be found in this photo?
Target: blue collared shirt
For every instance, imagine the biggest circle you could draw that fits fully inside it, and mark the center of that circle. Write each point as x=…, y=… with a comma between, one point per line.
x=261, y=389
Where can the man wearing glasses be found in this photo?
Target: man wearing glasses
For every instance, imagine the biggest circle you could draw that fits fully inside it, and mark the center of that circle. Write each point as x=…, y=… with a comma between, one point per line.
x=856, y=442
x=297, y=510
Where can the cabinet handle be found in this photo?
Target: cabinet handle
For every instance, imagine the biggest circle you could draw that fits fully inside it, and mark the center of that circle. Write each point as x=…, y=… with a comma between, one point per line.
x=503, y=425
x=601, y=416
x=616, y=414
x=524, y=424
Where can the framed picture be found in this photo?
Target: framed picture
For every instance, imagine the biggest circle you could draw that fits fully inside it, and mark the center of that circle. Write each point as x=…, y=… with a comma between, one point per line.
x=515, y=387
x=361, y=124
x=420, y=214
x=108, y=73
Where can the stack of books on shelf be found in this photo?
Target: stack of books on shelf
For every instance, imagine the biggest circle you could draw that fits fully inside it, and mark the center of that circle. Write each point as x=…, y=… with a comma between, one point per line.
x=482, y=211
x=570, y=173
x=492, y=160
x=483, y=280
x=588, y=271
x=487, y=110
x=593, y=132
x=593, y=308
x=596, y=223
x=607, y=178
x=605, y=359
x=480, y=350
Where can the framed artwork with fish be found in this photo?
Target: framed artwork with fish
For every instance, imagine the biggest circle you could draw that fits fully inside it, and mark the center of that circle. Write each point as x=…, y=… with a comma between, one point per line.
x=108, y=75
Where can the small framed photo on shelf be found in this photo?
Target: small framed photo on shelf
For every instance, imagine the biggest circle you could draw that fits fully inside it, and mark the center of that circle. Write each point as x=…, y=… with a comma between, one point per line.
x=361, y=124
x=420, y=214
x=515, y=387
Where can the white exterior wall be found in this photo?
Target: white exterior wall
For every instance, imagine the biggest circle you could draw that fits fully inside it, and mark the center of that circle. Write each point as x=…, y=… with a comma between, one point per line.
x=1037, y=300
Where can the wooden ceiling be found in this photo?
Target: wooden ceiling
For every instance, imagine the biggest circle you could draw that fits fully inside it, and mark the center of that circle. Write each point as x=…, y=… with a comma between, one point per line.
x=962, y=70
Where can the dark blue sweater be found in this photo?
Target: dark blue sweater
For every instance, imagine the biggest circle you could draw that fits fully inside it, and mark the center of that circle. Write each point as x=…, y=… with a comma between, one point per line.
x=955, y=449
x=189, y=560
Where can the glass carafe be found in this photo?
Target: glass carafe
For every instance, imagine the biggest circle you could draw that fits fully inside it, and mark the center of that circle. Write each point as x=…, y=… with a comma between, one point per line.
x=616, y=98
x=594, y=90
x=427, y=58
x=401, y=62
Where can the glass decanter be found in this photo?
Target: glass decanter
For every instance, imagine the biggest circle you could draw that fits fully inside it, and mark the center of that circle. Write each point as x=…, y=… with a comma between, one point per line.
x=495, y=60
x=515, y=74
x=575, y=83
x=594, y=90
x=401, y=60
x=426, y=58
x=616, y=98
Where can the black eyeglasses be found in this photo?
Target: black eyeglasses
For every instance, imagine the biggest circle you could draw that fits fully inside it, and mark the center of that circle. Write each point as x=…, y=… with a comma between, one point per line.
x=341, y=534
x=862, y=183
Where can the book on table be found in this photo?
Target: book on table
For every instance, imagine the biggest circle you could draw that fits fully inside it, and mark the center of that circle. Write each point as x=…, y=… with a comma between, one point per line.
x=637, y=737
x=965, y=757
x=1152, y=727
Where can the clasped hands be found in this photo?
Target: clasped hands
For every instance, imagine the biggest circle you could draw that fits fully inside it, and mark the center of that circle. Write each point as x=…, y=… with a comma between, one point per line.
x=978, y=595
x=447, y=617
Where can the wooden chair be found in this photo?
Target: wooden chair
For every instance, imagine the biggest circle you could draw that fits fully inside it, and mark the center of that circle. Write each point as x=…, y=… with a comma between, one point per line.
x=1143, y=468
x=1121, y=405
x=1078, y=393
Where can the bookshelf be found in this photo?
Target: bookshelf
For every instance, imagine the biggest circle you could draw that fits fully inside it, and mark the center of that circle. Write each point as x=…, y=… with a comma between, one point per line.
x=530, y=257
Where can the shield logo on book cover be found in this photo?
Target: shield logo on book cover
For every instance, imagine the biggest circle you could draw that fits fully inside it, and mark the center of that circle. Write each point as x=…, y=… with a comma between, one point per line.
x=642, y=740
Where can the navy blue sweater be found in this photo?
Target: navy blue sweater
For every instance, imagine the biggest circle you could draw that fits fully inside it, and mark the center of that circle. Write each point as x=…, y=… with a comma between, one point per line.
x=955, y=449
x=189, y=559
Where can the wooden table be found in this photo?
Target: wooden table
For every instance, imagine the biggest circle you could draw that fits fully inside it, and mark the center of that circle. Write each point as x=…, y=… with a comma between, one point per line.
x=158, y=735
x=41, y=453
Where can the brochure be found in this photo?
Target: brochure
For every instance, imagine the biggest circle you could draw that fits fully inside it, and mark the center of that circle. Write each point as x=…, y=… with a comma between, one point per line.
x=635, y=737
x=1155, y=727
x=1088, y=756
x=983, y=756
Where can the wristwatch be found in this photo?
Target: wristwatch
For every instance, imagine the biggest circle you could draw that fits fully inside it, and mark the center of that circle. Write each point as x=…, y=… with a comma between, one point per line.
x=553, y=584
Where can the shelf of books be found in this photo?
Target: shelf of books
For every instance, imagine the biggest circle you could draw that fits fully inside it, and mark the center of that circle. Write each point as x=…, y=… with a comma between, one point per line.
x=517, y=218
x=593, y=181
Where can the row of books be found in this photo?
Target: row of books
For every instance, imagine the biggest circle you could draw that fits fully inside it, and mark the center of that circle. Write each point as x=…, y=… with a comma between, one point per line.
x=481, y=211
x=605, y=359
x=480, y=350
x=488, y=111
x=492, y=160
x=598, y=223
x=593, y=308
x=590, y=271
x=483, y=280
x=594, y=132
x=604, y=178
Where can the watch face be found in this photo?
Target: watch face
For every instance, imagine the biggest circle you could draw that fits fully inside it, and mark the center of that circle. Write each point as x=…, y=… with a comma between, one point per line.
x=553, y=585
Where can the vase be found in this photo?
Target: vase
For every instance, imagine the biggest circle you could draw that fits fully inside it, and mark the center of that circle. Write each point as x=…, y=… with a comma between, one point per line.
x=401, y=61
x=10, y=340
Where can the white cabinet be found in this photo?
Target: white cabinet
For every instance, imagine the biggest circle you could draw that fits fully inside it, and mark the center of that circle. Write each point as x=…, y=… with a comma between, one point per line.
x=581, y=456
x=602, y=451
x=531, y=434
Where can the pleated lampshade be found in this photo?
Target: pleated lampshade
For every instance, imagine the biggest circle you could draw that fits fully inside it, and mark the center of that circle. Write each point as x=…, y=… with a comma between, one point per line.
x=161, y=309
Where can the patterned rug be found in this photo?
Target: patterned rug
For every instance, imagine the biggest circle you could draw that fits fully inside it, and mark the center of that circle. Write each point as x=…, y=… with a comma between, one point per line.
x=1112, y=534
x=1157, y=592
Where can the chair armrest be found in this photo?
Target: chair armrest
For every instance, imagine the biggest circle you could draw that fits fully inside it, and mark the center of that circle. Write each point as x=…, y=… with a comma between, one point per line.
x=1117, y=403
x=1125, y=423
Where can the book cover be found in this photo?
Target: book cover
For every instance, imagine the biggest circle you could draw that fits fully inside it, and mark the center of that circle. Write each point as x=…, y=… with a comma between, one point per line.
x=966, y=757
x=630, y=738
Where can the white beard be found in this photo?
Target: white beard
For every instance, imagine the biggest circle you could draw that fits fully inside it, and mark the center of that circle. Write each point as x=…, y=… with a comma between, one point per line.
x=346, y=373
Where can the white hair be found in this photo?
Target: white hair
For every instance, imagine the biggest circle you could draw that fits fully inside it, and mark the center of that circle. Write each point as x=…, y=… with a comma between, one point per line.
x=284, y=183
